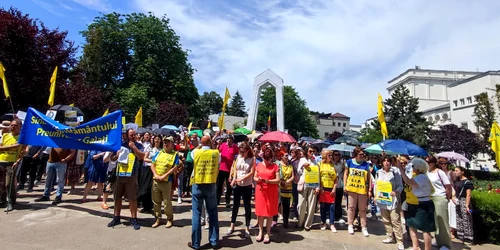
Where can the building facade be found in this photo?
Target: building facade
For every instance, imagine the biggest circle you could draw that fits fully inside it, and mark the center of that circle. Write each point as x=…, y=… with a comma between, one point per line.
x=328, y=123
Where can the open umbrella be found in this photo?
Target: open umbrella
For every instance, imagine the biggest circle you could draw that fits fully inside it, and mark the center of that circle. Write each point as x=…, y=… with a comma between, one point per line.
x=453, y=156
x=62, y=108
x=171, y=127
x=244, y=131
x=344, y=149
x=164, y=131
x=277, y=136
x=144, y=130
x=7, y=117
x=351, y=133
x=402, y=147
x=197, y=131
x=307, y=139
x=254, y=135
x=321, y=144
x=376, y=149
x=237, y=137
x=347, y=140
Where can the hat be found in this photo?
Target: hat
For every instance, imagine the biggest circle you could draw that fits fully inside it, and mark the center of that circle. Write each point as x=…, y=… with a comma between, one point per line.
x=169, y=138
x=5, y=124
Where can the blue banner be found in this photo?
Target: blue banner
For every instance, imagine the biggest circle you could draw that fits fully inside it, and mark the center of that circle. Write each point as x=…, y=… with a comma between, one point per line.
x=103, y=134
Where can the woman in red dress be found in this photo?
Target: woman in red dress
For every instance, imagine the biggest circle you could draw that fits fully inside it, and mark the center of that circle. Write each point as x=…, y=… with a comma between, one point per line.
x=267, y=178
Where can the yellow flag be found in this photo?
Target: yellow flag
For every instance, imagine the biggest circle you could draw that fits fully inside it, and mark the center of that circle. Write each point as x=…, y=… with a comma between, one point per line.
x=381, y=117
x=209, y=124
x=106, y=112
x=495, y=141
x=138, y=117
x=72, y=105
x=4, y=80
x=227, y=96
x=52, y=88
x=189, y=127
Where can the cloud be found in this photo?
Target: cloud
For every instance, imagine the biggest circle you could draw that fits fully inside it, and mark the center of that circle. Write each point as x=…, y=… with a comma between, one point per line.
x=337, y=54
x=99, y=5
x=48, y=7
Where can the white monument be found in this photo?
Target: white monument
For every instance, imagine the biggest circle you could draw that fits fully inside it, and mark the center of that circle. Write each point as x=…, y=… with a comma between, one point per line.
x=266, y=79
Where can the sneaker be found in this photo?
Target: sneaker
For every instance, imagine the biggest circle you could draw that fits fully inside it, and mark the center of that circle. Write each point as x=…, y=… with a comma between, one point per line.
x=332, y=227
x=388, y=241
x=342, y=221
x=114, y=222
x=43, y=198
x=179, y=200
x=169, y=224
x=365, y=232
x=135, y=224
x=323, y=227
x=350, y=229
x=36, y=183
x=206, y=226
x=57, y=200
x=401, y=246
x=9, y=208
x=328, y=221
x=435, y=244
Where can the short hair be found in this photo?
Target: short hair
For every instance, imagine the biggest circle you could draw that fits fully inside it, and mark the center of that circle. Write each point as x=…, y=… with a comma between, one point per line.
x=18, y=121
x=356, y=151
x=402, y=158
x=386, y=158
x=268, y=153
x=420, y=165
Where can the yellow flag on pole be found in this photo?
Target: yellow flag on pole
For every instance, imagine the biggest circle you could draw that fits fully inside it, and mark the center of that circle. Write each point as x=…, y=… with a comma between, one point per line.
x=209, y=124
x=52, y=88
x=138, y=117
x=227, y=96
x=381, y=117
x=106, y=112
x=495, y=141
x=189, y=127
x=72, y=105
x=4, y=80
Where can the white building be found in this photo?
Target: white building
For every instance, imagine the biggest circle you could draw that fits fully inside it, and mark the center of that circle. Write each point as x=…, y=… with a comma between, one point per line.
x=230, y=122
x=328, y=123
x=448, y=96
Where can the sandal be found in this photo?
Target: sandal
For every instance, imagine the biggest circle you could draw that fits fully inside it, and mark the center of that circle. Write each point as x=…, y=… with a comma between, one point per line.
x=258, y=238
x=267, y=240
x=105, y=206
x=229, y=231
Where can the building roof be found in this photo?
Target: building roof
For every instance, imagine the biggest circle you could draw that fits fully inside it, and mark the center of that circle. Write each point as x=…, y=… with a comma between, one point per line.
x=418, y=69
x=443, y=106
x=487, y=73
x=339, y=115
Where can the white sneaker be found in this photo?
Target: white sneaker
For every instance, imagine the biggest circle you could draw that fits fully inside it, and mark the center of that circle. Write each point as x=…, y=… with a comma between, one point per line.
x=365, y=232
x=434, y=244
x=342, y=221
x=327, y=221
x=179, y=200
x=323, y=227
x=350, y=229
x=332, y=227
x=401, y=246
x=444, y=248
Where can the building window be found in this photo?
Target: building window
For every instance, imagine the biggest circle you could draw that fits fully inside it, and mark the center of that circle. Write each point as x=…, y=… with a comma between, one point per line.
x=462, y=102
x=326, y=134
x=464, y=124
x=455, y=103
x=339, y=124
x=469, y=100
x=343, y=125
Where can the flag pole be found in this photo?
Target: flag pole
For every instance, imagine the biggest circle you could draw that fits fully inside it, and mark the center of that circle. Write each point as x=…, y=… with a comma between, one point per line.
x=11, y=105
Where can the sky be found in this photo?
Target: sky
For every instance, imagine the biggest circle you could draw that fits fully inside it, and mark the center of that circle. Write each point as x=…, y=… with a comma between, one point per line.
x=337, y=54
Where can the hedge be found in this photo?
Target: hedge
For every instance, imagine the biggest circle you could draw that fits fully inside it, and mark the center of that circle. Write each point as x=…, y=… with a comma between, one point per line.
x=486, y=216
x=483, y=175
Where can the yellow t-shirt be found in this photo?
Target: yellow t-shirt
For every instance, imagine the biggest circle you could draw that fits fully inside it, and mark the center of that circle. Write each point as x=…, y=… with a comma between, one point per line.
x=11, y=154
x=410, y=197
x=286, y=173
x=328, y=175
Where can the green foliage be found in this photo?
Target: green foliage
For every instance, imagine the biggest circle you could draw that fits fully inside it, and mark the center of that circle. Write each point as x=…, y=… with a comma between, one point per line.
x=370, y=135
x=210, y=103
x=484, y=113
x=297, y=119
x=450, y=137
x=486, y=216
x=237, y=106
x=483, y=175
x=132, y=98
x=403, y=119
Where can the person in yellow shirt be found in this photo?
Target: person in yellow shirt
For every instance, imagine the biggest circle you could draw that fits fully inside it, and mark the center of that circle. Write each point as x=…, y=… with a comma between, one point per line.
x=286, y=179
x=328, y=184
x=165, y=163
x=10, y=156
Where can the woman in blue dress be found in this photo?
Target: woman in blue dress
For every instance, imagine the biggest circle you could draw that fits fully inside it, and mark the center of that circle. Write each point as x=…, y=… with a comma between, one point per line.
x=97, y=172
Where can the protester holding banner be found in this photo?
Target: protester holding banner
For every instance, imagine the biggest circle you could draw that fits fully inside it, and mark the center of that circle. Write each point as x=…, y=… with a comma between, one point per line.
x=388, y=187
x=97, y=173
x=130, y=155
x=10, y=156
x=358, y=187
x=328, y=180
x=308, y=188
x=164, y=164
x=56, y=171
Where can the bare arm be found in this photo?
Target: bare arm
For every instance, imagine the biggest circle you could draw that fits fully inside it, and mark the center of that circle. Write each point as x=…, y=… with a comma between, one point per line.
x=276, y=179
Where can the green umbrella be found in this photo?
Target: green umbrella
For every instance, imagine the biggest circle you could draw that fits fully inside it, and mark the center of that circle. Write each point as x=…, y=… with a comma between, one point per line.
x=376, y=149
x=199, y=132
x=244, y=131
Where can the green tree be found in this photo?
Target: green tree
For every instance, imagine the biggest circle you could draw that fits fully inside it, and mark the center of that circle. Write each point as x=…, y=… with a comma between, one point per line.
x=131, y=99
x=450, y=137
x=210, y=103
x=297, y=119
x=484, y=113
x=370, y=135
x=403, y=119
x=141, y=49
x=237, y=106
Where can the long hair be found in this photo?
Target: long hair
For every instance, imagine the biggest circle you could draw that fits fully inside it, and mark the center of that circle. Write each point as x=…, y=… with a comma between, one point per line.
x=248, y=151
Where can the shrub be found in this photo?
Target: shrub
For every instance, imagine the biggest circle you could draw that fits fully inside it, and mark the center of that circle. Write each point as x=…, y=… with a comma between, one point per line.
x=486, y=216
x=483, y=175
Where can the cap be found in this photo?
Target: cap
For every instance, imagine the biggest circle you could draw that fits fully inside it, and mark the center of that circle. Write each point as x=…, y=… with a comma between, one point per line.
x=168, y=138
x=5, y=124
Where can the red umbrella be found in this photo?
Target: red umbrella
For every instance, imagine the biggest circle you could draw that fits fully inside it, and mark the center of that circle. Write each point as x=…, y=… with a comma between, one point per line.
x=277, y=136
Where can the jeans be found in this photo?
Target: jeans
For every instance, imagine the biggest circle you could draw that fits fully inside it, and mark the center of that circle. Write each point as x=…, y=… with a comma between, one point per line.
x=339, y=194
x=244, y=192
x=204, y=193
x=327, y=208
x=57, y=171
x=180, y=184
x=373, y=207
x=224, y=177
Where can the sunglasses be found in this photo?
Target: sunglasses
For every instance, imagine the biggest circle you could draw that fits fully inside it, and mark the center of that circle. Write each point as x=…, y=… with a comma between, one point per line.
x=336, y=154
x=403, y=163
x=330, y=155
x=443, y=163
x=311, y=151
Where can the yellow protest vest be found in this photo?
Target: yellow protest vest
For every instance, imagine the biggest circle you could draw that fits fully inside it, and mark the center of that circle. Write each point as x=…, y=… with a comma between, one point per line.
x=125, y=170
x=206, y=166
x=357, y=177
x=286, y=173
x=328, y=174
x=164, y=162
x=11, y=154
x=410, y=197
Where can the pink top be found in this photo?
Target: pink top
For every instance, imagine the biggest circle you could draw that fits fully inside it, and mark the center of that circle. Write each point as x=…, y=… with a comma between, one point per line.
x=227, y=155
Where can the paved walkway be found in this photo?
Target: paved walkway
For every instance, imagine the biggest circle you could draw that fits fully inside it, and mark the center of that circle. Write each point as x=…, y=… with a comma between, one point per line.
x=72, y=225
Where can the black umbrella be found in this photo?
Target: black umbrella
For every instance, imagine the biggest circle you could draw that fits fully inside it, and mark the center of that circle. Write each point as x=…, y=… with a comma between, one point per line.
x=164, y=131
x=7, y=117
x=347, y=140
x=238, y=137
x=62, y=108
x=144, y=130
